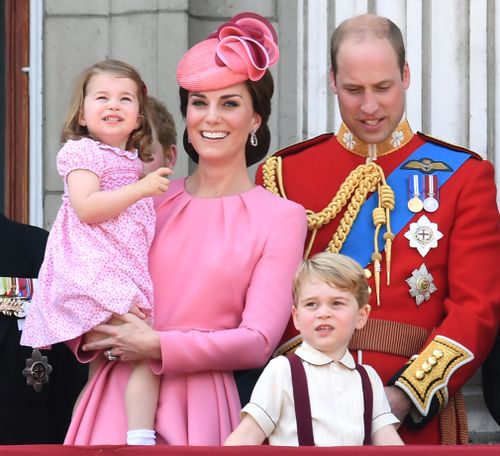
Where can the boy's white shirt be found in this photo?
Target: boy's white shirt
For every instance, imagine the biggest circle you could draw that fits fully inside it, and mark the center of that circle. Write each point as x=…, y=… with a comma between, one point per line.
x=336, y=397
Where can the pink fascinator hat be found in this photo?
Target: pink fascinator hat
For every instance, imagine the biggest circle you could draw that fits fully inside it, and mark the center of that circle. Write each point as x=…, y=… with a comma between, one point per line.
x=240, y=50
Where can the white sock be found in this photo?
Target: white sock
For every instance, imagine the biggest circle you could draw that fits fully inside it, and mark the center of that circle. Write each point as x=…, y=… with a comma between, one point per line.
x=141, y=437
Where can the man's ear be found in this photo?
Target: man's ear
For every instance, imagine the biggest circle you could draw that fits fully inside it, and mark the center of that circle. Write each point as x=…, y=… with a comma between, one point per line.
x=333, y=82
x=406, y=75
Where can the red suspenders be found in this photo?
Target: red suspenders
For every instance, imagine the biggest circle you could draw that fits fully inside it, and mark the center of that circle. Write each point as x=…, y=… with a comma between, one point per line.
x=303, y=404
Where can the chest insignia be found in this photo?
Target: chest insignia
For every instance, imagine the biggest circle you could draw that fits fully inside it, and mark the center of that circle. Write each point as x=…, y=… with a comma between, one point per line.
x=421, y=284
x=415, y=203
x=426, y=166
x=431, y=193
x=37, y=370
x=423, y=235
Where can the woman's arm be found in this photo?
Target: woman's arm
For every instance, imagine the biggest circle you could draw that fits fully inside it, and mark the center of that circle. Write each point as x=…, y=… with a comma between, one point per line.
x=95, y=206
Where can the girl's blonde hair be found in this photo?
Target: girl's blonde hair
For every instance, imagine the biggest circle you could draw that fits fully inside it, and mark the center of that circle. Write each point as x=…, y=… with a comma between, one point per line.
x=139, y=138
x=336, y=270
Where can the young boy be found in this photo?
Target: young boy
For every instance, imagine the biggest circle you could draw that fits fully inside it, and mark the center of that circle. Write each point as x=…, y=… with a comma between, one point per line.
x=163, y=148
x=330, y=302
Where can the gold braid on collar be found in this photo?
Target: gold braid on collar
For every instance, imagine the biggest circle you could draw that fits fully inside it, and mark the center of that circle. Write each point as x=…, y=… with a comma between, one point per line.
x=352, y=194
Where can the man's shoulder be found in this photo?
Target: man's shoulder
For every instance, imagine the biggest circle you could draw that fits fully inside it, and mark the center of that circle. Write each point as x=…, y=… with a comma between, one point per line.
x=304, y=145
x=448, y=145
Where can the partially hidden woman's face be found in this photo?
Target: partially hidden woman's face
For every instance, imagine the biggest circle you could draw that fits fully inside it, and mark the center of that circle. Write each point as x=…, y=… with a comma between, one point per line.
x=220, y=121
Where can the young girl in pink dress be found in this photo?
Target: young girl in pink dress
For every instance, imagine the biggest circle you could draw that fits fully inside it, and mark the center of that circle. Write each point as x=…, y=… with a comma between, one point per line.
x=96, y=263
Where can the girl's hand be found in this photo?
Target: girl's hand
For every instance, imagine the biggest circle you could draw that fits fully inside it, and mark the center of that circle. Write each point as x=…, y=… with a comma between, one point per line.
x=127, y=336
x=156, y=182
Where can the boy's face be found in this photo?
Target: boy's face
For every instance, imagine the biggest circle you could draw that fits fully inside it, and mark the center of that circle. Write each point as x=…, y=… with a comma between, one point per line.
x=161, y=157
x=327, y=317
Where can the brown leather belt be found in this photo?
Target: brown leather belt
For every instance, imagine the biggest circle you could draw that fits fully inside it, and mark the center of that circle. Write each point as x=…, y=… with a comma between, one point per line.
x=392, y=337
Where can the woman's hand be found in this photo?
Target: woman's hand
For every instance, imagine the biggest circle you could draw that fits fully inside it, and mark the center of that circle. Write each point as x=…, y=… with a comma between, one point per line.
x=127, y=336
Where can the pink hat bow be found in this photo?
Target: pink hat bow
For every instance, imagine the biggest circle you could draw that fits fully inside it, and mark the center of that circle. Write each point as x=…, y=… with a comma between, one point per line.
x=248, y=44
x=241, y=49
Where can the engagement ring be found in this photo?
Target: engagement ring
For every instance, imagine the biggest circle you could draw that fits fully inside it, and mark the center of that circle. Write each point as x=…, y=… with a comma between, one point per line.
x=108, y=355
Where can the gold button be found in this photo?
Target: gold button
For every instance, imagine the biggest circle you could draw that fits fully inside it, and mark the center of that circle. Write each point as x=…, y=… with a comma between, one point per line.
x=426, y=367
x=368, y=273
x=419, y=374
x=437, y=353
x=431, y=360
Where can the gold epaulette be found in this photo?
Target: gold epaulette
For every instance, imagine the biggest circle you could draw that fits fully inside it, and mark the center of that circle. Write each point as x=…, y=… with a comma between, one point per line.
x=429, y=373
x=448, y=145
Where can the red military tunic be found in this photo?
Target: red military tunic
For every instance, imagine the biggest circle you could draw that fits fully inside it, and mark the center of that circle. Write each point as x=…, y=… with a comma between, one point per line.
x=453, y=330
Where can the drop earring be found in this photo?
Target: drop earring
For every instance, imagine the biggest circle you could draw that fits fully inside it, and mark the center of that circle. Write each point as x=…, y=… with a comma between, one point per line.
x=253, y=139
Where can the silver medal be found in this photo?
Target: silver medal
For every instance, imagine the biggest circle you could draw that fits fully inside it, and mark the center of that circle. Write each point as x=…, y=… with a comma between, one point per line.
x=431, y=204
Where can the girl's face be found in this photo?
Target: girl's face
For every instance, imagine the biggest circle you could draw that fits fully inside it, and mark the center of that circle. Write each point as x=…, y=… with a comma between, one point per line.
x=219, y=122
x=110, y=109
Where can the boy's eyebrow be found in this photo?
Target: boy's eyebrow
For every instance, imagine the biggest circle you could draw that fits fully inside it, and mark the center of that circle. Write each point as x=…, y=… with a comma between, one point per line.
x=336, y=297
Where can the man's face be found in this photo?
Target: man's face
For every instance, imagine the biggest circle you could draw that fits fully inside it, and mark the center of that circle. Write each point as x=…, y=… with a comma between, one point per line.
x=370, y=88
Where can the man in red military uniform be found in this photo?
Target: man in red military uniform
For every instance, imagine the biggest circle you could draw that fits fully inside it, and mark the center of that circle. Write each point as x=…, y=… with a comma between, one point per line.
x=419, y=214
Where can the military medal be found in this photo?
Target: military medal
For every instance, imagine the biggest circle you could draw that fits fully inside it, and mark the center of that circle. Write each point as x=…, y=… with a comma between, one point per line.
x=37, y=370
x=423, y=235
x=421, y=284
x=431, y=203
x=415, y=204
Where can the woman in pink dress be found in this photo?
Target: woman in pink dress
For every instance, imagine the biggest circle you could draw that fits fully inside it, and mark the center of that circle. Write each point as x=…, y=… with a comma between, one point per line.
x=222, y=261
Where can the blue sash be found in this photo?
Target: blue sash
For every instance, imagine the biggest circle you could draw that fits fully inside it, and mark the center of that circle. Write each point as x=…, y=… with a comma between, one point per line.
x=359, y=243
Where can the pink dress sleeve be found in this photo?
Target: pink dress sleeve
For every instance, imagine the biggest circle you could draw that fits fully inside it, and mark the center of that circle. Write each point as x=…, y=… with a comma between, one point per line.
x=81, y=154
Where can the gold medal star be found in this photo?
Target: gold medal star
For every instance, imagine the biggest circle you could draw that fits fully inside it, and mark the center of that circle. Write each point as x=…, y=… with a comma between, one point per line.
x=421, y=284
